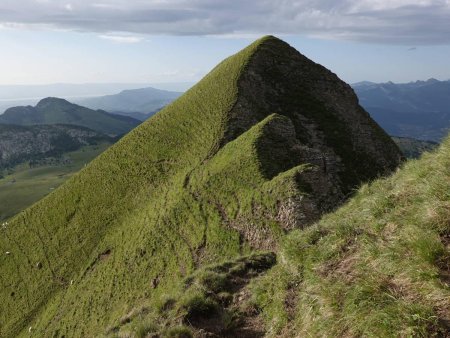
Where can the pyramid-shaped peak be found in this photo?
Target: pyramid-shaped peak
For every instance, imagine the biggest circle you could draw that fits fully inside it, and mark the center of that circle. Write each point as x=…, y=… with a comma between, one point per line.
x=324, y=109
x=269, y=38
x=267, y=42
x=266, y=142
x=272, y=42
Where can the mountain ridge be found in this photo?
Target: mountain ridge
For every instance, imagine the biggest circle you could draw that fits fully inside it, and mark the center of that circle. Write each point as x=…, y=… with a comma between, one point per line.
x=417, y=109
x=413, y=148
x=257, y=148
x=59, y=111
x=139, y=103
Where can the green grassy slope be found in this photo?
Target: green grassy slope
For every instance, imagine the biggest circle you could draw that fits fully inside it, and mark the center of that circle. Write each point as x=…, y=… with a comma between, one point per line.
x=69, y=230
x=59, y=111
x=171, y=196
x=24, y=186
x=378, y=267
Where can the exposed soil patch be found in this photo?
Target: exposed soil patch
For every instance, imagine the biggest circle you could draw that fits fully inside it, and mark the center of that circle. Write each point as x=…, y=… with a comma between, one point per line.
x=444, y=262
x=100, y=258
x=104, y=255
x=234, y=316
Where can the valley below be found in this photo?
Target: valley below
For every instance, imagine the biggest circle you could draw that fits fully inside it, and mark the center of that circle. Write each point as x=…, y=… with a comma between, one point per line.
x=25, y=184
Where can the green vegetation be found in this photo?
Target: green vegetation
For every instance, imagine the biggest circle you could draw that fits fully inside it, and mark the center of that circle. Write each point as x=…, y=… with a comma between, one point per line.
x=178, y=332
x=215, y=297
x=23, y=185
x=160, y=231
x=129, y=202
x=59, y=111
x=377, y=267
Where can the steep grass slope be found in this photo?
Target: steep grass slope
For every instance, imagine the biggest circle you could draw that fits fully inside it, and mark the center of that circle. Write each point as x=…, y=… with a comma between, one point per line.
x=246, y=155
x=72, y=228
x=59, y=111
x=377, y=267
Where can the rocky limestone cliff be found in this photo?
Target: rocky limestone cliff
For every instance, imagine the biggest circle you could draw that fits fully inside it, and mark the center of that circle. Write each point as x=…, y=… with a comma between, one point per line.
x=19, y=144
x=327, y=128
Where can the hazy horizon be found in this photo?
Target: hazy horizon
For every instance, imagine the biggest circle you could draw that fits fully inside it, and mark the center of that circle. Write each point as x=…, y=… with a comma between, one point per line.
x=24, y=95
x=149, y=41
x=165, y=85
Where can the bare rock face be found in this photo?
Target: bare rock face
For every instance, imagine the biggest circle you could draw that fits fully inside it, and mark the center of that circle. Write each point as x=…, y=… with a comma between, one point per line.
x=326, y=128
x=328, y=120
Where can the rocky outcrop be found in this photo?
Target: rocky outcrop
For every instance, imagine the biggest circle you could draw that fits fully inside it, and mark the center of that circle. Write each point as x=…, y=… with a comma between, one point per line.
x=332, y=130
x=324, y=128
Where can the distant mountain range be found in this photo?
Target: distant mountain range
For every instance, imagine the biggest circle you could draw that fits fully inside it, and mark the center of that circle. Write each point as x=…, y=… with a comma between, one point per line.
x=59, y=111
x=24, y=95
x=418, y=109
x=138, y=103
x=413, y=148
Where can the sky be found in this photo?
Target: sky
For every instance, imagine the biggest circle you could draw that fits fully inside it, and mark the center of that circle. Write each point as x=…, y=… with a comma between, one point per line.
x=150, y=41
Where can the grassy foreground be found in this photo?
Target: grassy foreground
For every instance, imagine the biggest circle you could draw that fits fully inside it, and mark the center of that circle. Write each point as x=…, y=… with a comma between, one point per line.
x=377, y=267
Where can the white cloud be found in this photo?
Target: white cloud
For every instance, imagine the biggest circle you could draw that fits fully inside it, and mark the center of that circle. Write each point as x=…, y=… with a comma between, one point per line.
x=379, y=5
x=104, y=5
x=408, y=22
x=121, y=38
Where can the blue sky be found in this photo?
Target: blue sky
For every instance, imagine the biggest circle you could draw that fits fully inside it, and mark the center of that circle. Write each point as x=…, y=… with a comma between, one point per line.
x=148, y=41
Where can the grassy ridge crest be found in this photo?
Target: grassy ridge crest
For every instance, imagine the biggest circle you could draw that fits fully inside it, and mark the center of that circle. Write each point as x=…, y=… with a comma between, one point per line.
x=54, y=243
